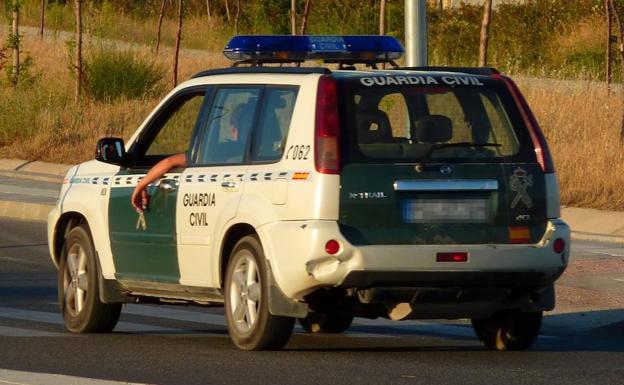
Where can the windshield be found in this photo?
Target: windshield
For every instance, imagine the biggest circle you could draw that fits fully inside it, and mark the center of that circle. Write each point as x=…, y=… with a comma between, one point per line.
x=410, y=118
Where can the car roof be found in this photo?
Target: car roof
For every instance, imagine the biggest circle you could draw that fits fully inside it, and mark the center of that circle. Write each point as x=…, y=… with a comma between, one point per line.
x=348, y=73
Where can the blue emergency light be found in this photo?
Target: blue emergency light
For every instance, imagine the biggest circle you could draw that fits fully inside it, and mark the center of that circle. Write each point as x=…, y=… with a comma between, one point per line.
x=329, y=48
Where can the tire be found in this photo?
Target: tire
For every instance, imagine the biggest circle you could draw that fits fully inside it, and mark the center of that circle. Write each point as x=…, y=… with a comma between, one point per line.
x=78, y=291
x=509, y=329
x=250, y=324
x=326, y=322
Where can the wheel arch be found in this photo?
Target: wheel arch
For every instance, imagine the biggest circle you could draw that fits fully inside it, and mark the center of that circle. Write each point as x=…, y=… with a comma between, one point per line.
x=65, y=223
x=231, y=237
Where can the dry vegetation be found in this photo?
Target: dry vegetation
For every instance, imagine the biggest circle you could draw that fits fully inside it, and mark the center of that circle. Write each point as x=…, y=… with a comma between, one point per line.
x=582, y=123
x=581, y=120
x=43, y=122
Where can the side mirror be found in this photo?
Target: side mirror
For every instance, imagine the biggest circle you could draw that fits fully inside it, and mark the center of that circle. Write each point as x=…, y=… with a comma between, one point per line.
x=111, y=150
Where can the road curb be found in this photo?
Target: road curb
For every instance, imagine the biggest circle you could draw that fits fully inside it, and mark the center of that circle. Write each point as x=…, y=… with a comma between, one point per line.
x=25, y=211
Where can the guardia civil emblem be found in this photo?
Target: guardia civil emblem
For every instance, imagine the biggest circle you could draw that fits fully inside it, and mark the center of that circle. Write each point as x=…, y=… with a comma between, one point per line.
x=519, y=182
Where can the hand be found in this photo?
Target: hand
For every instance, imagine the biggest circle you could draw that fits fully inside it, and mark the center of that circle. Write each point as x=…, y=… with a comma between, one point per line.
x=140, y=198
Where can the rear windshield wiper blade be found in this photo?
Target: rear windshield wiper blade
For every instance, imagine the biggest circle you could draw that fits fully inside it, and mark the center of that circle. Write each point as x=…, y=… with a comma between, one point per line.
x=435, y=147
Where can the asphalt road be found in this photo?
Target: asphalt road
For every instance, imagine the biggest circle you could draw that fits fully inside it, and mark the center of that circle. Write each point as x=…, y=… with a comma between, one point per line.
x=189, y=345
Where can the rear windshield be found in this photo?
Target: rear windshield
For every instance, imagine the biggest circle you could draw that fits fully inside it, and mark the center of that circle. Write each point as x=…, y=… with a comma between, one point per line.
x=416, y=118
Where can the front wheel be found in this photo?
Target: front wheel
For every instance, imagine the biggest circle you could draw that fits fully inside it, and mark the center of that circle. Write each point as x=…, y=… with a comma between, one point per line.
x=509, y=329
x=78, y=293
x=250, y=324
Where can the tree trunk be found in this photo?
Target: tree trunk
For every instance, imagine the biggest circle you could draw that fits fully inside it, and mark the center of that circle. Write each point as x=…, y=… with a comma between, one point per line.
x=382, y=17
x=485, y=32
x=208, y=9
x=42, y=18
x=227, y=10
x=618, y=22
x=608, y=69
x=160, y=19
x=15, y=43
x=293, y=17
x=78, y=61
x=238, y=8
x=177, y=47
x=304, y=19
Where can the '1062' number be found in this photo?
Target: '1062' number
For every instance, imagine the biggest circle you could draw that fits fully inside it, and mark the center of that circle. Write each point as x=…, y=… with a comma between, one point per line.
x=298, y=152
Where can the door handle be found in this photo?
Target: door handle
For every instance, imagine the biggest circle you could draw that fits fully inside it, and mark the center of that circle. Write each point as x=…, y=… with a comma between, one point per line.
x=167, y=185
x=228, y=184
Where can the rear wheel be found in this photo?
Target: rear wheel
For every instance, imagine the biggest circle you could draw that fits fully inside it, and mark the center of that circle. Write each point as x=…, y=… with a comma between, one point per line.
x=509, y=329
x=78, y=292
x=250, y=324
x=326, y=322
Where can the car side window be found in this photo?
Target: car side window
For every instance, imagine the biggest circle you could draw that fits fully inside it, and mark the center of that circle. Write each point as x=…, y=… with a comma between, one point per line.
x=229, y=125
x=175, y=134
x=278, y=104
x=170, y=130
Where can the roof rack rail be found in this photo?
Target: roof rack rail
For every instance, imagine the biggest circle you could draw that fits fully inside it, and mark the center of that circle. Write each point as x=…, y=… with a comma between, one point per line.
x=484, y=71
x=266, y=70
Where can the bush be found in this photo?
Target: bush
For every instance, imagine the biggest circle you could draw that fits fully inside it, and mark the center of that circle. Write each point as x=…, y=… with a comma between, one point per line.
x=113, y=74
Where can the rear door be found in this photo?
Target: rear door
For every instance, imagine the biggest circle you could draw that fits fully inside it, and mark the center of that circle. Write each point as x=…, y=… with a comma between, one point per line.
x=436, y=160
x=211, y=188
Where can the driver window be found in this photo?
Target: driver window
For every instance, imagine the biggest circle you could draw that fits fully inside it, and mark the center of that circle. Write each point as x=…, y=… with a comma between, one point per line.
x=175, y=134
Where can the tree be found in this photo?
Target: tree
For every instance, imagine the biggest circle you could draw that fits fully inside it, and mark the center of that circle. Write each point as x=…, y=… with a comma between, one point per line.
x=608, y=68
x=227, y=9
x=485, y=32
x=42, y=18
x=293, y=17
x=177, y=47
x=304, y=19
x=382, y=17
x=208, y=9
x=160, y=19
x=618, y=22
x=78, y=59
x=237, y=17
x=14, y=42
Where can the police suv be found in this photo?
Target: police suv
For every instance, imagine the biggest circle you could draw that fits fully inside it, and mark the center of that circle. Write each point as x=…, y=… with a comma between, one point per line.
x=321, y=195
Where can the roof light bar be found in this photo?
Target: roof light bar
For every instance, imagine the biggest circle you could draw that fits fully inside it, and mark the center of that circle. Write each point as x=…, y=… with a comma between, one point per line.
x=330, y=48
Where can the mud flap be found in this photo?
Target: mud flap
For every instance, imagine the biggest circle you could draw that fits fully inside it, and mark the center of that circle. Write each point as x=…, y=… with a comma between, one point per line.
x=280, y=304
x=109, y=289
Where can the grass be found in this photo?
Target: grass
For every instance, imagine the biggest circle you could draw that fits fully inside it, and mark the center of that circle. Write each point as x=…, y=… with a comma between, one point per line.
x=42, y=122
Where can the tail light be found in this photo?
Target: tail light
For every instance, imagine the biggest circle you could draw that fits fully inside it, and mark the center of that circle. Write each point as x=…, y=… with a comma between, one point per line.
x=326, y=134
x=537, y=137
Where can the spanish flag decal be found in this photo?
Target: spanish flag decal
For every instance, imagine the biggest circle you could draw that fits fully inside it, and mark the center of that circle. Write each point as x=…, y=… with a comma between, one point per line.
x=519, y=234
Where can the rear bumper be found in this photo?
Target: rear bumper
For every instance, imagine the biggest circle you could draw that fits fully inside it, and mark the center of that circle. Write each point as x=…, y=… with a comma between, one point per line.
x=464, y=279
x=296, y=251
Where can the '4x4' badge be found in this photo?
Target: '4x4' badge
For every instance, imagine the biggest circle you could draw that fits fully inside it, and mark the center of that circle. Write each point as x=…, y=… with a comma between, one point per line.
x=519, y=182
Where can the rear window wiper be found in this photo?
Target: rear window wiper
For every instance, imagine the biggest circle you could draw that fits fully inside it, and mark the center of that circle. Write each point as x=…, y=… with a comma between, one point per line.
x=438, y=146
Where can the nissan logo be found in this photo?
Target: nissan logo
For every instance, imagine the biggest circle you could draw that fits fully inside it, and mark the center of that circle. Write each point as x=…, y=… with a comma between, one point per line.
x=446, y=169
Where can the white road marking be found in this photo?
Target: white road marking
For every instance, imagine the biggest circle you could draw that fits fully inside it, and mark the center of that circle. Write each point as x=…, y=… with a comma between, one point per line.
x=618, y=279
x=56, y=319
x=378, y=328
x=15, y=377
x=7, y=331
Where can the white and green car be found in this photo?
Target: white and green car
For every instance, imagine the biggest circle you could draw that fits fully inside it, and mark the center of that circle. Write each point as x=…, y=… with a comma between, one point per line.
x=404, y=193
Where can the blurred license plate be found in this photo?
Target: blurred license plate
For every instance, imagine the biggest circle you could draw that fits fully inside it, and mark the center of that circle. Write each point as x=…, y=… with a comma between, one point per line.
x=446, y=210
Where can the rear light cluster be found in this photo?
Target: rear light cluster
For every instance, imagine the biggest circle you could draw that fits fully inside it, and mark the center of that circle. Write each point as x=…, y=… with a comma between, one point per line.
x=452, y=257
x=537, y=137
x=326, y=132
x=559, y=246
